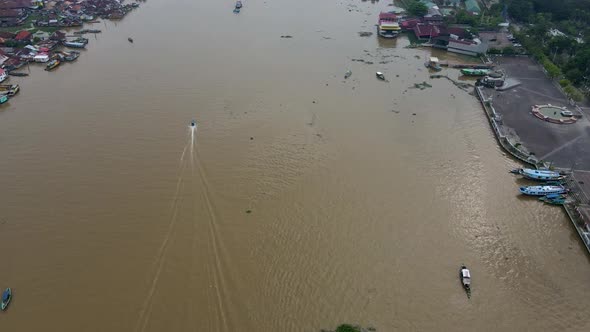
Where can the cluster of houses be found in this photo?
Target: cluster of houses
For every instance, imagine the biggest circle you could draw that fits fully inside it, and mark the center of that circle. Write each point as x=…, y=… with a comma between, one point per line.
x=431, y=29
x=57, y=13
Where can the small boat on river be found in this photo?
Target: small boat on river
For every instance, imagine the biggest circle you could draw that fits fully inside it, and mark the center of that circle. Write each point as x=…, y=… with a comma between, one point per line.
x=238, y=4
x=71, y=56
x=14, y=73
x=6, y=297
x=347, y=74
x=474, y=72
x=72, y=44
x=130, y=39
x=51, y=65
x=540, y=175
x=380, y=75
x=542, y=190
x=465, y=277
x=9, y=89
x=3, y=99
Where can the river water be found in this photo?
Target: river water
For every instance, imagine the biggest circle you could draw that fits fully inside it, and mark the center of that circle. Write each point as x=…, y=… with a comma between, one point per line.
x=303, y=201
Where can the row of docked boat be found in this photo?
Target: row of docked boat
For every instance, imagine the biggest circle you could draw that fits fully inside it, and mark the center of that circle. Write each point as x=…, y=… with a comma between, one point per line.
x=552, y=191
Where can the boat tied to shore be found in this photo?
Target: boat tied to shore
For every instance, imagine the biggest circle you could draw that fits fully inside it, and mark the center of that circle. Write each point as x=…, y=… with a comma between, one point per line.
x=51, y=65
x=71, y=56
x=539, y=175
x=73, y=44
x=388, y=25
x=9, y=89
x=474, y=72
x=542, y=190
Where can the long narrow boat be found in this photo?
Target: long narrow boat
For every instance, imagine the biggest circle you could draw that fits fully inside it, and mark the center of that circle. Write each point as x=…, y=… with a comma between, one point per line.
x=475, y=72
x=9, y=89
x=552, y=196
x=6, y=297
x=74, y=45
x=465, y=277
x=51, y=65
x=556, y=201
x=540, y=175
x=14, y=73
x=542, y=190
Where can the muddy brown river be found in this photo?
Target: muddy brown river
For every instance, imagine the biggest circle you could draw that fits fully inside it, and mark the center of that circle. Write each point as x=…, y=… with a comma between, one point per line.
x=302, y=201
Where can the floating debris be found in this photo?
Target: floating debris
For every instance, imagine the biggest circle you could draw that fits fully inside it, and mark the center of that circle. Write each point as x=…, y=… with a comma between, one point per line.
x=365, y=33
x=461, y=85
x=287, y=36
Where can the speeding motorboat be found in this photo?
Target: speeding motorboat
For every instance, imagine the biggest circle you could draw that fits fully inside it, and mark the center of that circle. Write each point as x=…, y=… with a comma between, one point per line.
x=193, y=123
x=465, y=277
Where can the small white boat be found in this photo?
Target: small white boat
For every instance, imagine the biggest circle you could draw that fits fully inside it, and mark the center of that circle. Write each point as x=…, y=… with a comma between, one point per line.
x=380, y=76
x=542, y=190
x=465, y=277
x=541, y=175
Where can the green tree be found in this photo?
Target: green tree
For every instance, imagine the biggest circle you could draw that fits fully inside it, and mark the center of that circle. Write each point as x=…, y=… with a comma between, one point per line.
x=520, y=10
x=417, y=8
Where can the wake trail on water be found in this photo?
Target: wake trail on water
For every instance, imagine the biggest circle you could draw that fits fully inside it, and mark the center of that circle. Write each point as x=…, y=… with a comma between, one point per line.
x=161, y=254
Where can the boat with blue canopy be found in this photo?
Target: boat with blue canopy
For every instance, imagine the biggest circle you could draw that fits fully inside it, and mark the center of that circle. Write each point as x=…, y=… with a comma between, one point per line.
x=6, y=297
x=542, y=190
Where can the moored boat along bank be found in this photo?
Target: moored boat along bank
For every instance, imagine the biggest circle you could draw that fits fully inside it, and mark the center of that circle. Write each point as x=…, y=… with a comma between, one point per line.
x=20, y=47
x=567, y=186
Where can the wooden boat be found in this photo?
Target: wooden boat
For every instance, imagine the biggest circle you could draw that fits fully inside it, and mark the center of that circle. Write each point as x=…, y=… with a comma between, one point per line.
x=9, y=89
x=474, y=72
x=380, y=75
x=347, y=74
x=465, y=277
x=556, y=201
x=71, y=56
x=540, y=175
x=51, y=65
x=238, y=4
x=72, y=44
x=6, y=297
x=14, y=73
x=551, y=197
x=542, y=190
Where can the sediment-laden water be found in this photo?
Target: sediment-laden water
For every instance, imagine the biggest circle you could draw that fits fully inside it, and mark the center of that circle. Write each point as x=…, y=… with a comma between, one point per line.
x=302, y=201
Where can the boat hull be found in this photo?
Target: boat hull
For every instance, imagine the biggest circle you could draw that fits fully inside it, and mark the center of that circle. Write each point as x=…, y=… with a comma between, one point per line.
x=542, y=190
x=6, y=297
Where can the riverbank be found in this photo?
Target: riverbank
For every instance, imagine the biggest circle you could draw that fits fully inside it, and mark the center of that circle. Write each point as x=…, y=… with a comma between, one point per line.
x=538, y=143
x=41, y=34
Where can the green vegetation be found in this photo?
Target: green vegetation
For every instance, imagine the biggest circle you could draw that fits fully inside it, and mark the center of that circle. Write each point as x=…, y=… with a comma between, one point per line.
x=347, y=328
x=416, y=8
x=565, y=53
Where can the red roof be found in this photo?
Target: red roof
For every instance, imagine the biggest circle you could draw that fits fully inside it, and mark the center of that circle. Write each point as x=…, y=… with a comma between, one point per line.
x=409, y=24
x=426, y=30
x=23, y=35
x=387, y=17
